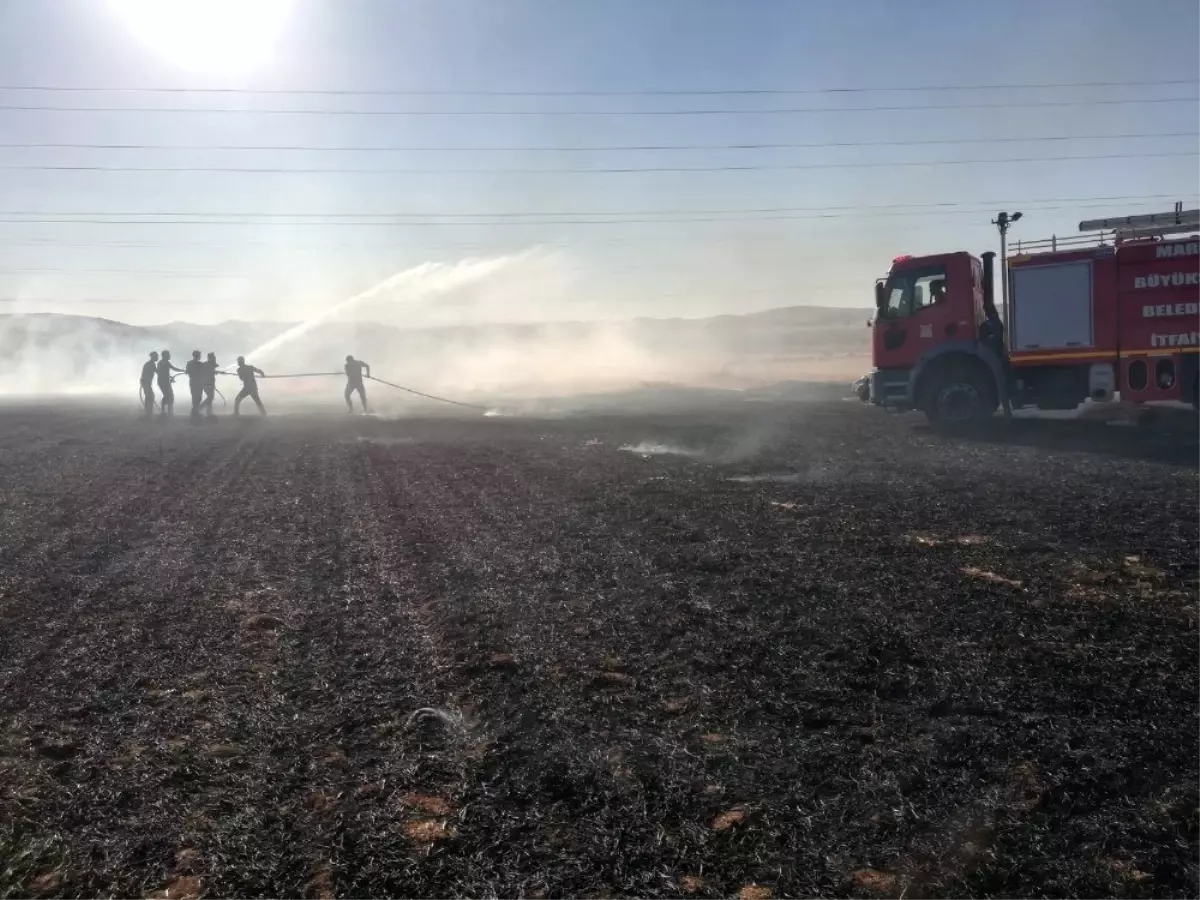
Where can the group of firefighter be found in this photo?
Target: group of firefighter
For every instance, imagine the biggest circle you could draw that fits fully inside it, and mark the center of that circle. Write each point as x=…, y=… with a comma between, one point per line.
x=202, y=381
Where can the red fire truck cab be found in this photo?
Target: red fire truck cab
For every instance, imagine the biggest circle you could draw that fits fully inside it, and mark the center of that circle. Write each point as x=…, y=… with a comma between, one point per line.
x=1111, y=313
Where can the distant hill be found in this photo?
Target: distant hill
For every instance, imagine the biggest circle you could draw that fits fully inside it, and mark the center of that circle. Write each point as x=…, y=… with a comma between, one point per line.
x=39, y=351
x=42, y=351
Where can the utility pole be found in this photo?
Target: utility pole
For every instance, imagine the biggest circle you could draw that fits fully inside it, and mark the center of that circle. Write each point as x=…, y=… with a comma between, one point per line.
x=1002, y=221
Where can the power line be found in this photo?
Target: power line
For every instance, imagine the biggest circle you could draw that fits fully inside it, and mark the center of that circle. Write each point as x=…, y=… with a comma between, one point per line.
x=611, y=170
x=348, y=92
x=114, y=301
x=507, y=223
x=270, y=218
x=397, y=224
x=239, y=244
x=60, y=302
x=203, y=245
x=596, y=149
x=12, y=107
x=59, y=270
x=847, y=212
x=173, y=273
x=625, y=221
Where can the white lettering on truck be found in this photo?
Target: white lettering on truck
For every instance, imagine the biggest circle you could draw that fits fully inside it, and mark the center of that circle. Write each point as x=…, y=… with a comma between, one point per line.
x=1184, y=339
x=1175, y=279
x=1167, y=251
x=1165, y=310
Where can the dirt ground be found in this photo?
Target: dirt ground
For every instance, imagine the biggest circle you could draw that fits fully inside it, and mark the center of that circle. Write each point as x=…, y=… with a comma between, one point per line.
x=773, y=650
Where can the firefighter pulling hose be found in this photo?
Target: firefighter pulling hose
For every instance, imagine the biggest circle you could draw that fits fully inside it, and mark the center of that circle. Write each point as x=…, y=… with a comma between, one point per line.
x=146, y=399
x=209, y=384
x=146, y=385
x=249, y=375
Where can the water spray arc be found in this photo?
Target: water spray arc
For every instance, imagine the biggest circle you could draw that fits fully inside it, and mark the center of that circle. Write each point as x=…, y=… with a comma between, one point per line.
x=419, y=282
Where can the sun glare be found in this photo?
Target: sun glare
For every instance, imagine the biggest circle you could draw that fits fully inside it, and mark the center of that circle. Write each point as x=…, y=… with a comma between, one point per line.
x=209, y=35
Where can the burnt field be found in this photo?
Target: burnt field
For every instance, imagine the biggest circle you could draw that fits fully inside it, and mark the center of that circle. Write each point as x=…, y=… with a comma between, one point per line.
x=816, y=650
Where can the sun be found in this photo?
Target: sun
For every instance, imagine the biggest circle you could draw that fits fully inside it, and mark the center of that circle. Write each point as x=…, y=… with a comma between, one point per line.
x=228, y=36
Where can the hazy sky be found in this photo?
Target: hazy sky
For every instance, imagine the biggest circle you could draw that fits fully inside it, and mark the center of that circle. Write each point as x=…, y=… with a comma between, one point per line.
x=617, y=243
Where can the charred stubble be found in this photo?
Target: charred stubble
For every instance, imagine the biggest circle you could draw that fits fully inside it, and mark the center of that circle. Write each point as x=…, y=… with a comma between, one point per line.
x=882, y=661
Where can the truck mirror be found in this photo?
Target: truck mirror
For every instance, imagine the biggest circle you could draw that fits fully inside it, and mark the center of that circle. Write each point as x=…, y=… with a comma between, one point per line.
x=879, y=298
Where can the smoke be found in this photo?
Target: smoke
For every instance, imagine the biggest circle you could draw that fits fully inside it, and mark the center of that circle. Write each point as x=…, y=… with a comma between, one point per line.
x=656, y=448
x=809, y=476
x=501, y=328
x=484, y=330
x=748, y=443
x=752, y=442
x=75, y=355
x=585, y=359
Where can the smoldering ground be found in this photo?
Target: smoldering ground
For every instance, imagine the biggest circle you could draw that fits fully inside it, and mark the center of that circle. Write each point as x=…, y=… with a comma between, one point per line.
x=655, y=680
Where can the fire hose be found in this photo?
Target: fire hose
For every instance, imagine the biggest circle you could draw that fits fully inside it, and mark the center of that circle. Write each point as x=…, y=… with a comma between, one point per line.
x=429, y=396
x=294, y=375
x=399, y=387
x=390, y=384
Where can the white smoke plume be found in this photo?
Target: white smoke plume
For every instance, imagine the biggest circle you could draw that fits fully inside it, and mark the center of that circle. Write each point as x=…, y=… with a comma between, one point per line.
x=477, y=329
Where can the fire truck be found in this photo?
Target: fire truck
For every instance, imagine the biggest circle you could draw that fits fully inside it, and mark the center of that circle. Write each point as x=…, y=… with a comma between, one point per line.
x=1109, y=314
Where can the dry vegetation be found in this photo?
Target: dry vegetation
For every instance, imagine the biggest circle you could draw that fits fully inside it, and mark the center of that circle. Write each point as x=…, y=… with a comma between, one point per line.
x=900, y=665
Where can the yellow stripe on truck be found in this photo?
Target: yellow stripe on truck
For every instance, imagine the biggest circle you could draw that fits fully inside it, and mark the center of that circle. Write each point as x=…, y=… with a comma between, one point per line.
x=1043, y=357
x=1161, y=351
x=1098, y=354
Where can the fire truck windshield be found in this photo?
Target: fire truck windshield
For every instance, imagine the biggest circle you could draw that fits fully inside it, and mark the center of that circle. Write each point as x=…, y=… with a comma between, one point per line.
x=910, y=290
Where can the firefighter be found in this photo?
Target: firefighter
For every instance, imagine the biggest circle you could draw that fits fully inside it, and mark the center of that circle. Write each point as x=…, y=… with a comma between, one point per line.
x=354, y=382
x=209, y=382
x=195, y=374
x=165, y=368
x=249, y=385
x=991, y=335
x=149, y=368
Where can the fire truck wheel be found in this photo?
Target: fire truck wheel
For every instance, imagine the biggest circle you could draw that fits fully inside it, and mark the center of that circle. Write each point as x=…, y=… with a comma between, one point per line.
x=960, y=395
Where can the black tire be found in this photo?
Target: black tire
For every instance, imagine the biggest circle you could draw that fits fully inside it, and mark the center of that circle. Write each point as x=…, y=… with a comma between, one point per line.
x=959, y=396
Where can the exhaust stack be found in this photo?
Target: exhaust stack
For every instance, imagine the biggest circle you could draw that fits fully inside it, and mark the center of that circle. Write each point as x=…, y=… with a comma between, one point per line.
x=989, y=289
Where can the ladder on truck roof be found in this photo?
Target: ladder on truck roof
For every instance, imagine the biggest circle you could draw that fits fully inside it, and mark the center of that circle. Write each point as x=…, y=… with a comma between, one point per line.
x=1110, y=232
x=1151, y=225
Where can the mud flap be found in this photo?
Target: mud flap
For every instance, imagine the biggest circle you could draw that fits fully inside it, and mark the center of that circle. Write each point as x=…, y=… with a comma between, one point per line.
x=1189, y=378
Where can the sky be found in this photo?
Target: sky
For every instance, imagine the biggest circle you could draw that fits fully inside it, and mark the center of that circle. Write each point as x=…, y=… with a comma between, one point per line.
x=496, y=92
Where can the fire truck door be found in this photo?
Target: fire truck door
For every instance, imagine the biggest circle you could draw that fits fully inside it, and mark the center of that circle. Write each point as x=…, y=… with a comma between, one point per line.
x=914, y=316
